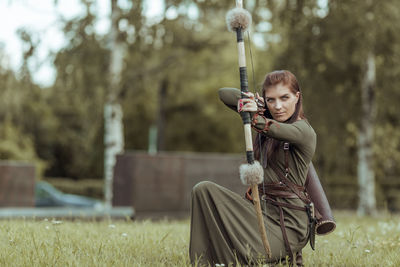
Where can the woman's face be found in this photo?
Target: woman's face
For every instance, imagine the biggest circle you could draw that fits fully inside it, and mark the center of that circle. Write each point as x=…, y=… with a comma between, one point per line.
x=281, y=101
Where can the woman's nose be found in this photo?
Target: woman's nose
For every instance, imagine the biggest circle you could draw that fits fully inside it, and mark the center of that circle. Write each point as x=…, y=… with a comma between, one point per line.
x=278, y=105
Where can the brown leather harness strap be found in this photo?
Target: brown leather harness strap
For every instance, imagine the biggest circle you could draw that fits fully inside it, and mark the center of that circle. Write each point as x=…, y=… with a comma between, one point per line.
x=286, y=205
x=268, y=195
x=283, y=189
x=285, y=238
x=299, y=191
x=277, y=190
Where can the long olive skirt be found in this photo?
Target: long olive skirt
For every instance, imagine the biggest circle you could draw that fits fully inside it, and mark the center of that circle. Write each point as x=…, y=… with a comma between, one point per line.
x=224, y=229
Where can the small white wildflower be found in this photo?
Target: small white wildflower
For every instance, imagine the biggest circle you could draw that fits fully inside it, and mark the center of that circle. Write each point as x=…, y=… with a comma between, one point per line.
x=124, y=234
x=111, y=226
x=46, y=220
x=47, y=227
x=56, y=222
x=367, y=251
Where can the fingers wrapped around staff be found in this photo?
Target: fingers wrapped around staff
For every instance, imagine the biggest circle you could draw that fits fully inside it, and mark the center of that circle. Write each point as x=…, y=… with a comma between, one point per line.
x=247, y=105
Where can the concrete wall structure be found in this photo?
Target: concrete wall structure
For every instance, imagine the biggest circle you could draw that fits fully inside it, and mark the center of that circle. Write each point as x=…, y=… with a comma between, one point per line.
x=163, y=182
x=17, y=184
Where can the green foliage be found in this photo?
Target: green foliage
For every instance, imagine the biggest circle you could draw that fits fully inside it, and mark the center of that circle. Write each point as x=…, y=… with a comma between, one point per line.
x=182, y=56
x=21, y=116
x=190, y=58
x=14, y=145
x=77, y=99
x=326, y=48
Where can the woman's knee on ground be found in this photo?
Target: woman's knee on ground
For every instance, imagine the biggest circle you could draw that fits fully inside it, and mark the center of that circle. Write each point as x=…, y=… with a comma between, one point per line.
x=202, y=187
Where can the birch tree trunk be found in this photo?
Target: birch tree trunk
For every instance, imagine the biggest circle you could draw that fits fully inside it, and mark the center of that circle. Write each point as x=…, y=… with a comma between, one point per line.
x=113, y=125
x=366, y=175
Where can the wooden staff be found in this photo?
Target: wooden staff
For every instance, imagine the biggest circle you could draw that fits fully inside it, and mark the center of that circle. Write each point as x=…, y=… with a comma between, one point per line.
x=252, y=173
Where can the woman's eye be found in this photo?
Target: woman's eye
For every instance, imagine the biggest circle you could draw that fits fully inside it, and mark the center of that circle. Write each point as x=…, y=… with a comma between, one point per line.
x=270, y=100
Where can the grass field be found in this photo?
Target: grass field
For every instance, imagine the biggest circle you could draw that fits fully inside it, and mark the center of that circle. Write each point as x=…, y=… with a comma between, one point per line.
x=356, y=242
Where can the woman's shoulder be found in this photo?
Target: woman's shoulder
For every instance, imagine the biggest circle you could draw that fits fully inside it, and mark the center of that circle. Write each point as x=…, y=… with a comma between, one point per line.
x=306, y=138
x=304, y=124
x=306, y=129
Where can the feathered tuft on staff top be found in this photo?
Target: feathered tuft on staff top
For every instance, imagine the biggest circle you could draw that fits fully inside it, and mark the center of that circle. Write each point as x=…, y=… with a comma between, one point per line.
x=238, y=18
x=251, y=173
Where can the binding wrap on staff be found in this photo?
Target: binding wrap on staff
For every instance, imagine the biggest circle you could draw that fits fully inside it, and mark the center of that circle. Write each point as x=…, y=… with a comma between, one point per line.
x=239, y=20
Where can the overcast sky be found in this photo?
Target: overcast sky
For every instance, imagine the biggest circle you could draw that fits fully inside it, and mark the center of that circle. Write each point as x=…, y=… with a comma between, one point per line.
x=41, y=19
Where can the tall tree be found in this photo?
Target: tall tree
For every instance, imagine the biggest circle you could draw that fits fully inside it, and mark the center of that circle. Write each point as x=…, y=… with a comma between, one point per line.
x=113, y=125
x=77, y=99
x=20, y=106
x=366, y=174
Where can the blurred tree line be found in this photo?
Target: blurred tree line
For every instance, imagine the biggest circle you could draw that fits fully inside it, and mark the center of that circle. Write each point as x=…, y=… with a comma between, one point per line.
x=173, y=66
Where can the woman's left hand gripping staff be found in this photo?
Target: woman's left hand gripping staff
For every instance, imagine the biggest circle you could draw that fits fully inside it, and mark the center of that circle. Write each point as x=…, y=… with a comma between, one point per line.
x=251, y=103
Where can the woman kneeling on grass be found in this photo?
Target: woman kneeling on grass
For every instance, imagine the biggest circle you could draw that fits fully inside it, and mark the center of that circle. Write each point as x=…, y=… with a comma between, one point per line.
x=224, y=226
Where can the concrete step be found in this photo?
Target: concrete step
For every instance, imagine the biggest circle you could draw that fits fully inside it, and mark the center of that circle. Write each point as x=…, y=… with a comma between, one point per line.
x=67, y=213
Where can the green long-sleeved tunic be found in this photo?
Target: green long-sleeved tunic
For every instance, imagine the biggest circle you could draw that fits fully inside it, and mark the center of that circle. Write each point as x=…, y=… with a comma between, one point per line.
x=302, y=139
x=223, y=236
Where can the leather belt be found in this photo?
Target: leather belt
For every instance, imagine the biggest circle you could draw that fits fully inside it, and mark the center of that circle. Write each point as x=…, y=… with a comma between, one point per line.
x=274, y=190
x=278, y=189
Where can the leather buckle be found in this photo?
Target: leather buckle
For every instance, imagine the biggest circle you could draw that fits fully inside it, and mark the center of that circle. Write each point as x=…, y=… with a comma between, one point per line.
x=286, y=146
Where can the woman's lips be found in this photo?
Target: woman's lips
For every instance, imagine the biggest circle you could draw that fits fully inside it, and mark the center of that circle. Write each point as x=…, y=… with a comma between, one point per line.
x=279, y=114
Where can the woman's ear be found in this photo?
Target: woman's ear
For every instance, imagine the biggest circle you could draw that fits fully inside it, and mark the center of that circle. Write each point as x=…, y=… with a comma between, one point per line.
x=297, y=96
